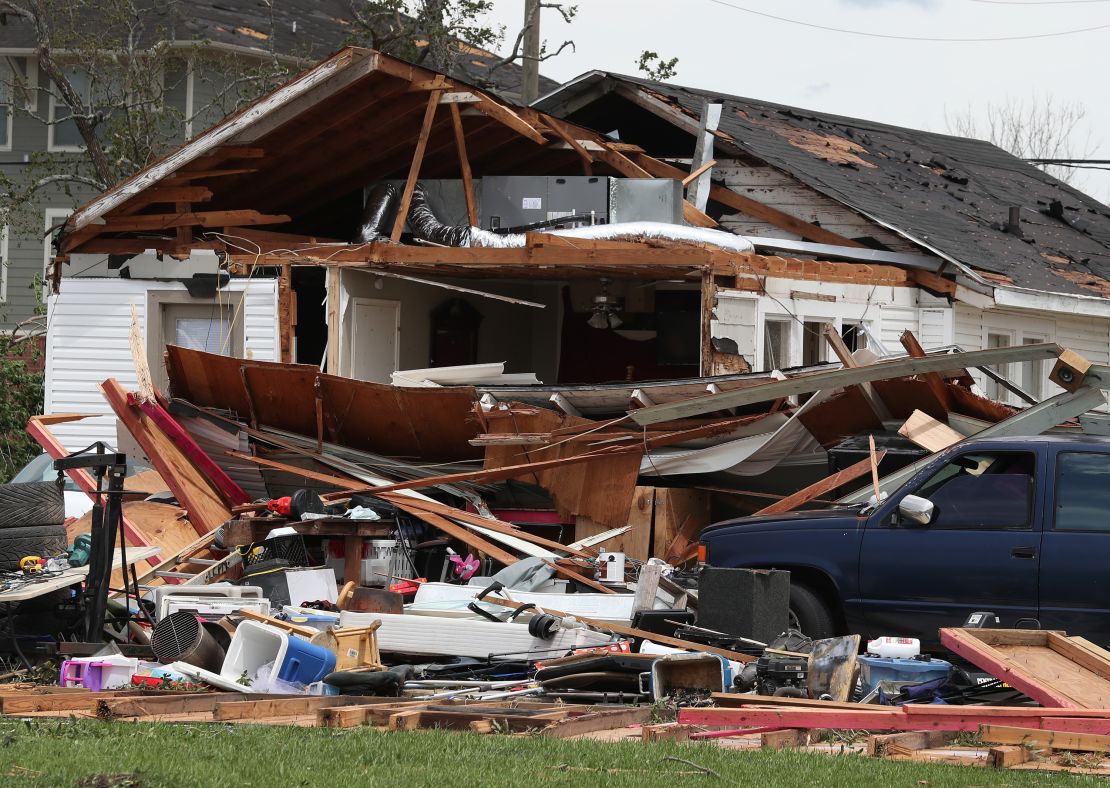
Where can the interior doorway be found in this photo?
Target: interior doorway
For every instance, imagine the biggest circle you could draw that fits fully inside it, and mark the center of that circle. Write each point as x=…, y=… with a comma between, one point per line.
x=375, y=338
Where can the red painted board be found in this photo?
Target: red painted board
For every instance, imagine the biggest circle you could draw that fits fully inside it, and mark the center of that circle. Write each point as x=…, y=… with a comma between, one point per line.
x=963, y=719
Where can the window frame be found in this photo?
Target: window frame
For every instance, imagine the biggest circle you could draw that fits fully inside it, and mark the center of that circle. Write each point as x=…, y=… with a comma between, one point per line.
x=1030, y=518
x=1058, y=459
x=788, y=338
x=52, y=215
x=4, y=263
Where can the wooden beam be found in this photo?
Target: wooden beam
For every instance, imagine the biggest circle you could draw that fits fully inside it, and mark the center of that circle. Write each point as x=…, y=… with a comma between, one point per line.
x=414, y=168
x=693, y=176
x=935, y=283
x=933, y=379
x=1034, y=737
x=771, y=391
x=567, y=137
x=753, y=208
x=287, y=314
x=197, y=175
x=826, y=485
x=950, y=718
x=464, y=166
x=507, y=117
x=186, y=218
x=465, y=536
x=836, y=342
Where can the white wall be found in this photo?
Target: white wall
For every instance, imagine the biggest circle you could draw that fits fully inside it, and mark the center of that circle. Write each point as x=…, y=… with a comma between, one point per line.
x=1088, y=336
x=525, y=337
x=886, y=311
x=87, y=342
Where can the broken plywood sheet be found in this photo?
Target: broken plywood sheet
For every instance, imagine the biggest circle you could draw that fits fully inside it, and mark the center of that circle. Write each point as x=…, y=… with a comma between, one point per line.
x=928, y=433
x=163, y=525
x=1049, y=667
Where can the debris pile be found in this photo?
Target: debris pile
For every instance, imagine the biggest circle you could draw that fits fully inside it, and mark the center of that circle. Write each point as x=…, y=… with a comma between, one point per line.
x=509, y=558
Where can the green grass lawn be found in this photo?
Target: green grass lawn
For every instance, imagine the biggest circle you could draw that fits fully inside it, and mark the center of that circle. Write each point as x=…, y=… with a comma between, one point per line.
x=128, y=755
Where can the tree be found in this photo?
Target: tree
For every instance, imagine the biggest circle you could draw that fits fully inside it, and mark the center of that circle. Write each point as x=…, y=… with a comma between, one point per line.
x=436, y=33
x=653, y=66
x=1041, y=128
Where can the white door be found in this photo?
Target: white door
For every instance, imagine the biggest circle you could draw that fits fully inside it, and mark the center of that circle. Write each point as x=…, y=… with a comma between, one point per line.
x=375, y=350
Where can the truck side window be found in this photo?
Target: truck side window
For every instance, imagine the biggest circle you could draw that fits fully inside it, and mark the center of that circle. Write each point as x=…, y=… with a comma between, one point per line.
x=1082, y=492
x=983, y=491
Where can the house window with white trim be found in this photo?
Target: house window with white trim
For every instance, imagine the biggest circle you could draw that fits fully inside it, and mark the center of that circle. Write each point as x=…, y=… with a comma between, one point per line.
x=1034, y=372
x=55, y=218
x=991, y=387
x=62, y=134
x=776, y=343
x=4, y=264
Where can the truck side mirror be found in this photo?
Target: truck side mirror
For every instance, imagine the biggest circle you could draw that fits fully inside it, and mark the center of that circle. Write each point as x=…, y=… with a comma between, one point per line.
x=916, y=509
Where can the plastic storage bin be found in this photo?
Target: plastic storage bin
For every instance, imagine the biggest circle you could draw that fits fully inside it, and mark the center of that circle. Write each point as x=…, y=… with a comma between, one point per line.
x=294, y=660
x=98, y=673
x=876, y=669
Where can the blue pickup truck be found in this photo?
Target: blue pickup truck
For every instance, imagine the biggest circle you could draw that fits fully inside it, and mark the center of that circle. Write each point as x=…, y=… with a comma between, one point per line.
x=1017, y=526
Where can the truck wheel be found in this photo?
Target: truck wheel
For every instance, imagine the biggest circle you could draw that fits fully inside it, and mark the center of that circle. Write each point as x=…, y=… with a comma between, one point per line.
x=810, y=614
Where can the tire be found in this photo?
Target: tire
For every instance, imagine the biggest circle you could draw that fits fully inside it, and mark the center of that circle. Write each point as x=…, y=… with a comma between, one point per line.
x=16, y=543
x=811, y=613
x=30, y=504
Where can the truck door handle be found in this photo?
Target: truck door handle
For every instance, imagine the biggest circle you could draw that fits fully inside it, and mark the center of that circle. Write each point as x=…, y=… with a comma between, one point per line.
x=1023, y=552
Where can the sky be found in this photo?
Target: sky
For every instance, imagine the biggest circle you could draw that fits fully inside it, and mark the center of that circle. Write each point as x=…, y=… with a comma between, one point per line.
x=903, y=82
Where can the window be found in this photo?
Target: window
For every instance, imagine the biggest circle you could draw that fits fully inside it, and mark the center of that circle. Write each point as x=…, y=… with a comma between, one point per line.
x=1033, y=373
x=1082, y=492
x=853, y=334
x=6, y=90
x=983, y=491
x=3, y=264
x=776, y=343
x=63, y=134
x=991, y=387
x=55, y=217
x=814, y=346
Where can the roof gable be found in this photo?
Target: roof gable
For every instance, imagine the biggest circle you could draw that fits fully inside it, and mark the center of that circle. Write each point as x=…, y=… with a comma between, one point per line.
x=947, y=193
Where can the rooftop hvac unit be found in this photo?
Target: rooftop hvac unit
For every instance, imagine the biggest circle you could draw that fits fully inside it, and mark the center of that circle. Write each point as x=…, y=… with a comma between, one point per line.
x=521, y=203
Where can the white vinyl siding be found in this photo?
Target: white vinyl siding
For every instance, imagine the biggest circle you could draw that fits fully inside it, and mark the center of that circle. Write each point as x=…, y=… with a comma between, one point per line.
x=87, y=342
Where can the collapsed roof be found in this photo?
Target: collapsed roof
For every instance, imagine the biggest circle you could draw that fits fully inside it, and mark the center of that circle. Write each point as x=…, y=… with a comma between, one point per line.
x=951, y=195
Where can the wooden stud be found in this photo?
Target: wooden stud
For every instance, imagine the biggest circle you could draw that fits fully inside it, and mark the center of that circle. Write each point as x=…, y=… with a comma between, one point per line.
x=836, y=342
x=333, y=321
x=162, y=221
x=287, y=313
x=564, y=133
x=464, y=166
x=414, y=168
x=1056, y=740
x=826, y=485
x=933, y=379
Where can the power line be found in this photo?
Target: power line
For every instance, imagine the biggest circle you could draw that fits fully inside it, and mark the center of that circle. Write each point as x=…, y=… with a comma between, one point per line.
x=934, y=39
x=1038, y=2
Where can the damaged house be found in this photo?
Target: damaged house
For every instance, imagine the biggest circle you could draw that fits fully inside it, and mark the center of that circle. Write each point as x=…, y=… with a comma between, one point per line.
x=379, y=261
x=1009, y=255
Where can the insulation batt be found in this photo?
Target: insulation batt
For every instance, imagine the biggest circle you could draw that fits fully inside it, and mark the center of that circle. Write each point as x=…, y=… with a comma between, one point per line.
x=624, y=231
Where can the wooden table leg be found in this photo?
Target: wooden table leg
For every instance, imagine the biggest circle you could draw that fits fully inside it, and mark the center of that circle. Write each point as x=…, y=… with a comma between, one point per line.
x=352, y=559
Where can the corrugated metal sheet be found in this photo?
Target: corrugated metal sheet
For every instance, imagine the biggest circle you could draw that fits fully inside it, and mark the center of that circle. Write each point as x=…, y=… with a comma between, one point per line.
x=87, y=342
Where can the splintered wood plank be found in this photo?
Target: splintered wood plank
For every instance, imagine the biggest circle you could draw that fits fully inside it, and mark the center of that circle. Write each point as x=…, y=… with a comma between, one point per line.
x=1046, y=666
x=826, y=485
x=598, y=721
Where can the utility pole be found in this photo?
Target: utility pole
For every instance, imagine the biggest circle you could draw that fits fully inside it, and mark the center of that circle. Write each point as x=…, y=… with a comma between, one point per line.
x=530, y=83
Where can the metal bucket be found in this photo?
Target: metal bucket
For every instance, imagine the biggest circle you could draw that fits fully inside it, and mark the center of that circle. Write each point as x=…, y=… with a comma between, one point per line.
x=182, y=637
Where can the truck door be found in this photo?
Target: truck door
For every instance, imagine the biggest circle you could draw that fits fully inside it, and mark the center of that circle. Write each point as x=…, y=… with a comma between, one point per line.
x=979, y=552
x=1075, y=547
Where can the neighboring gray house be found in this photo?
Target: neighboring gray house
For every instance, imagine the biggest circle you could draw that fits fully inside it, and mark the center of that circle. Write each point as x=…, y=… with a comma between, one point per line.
x=206, y=34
